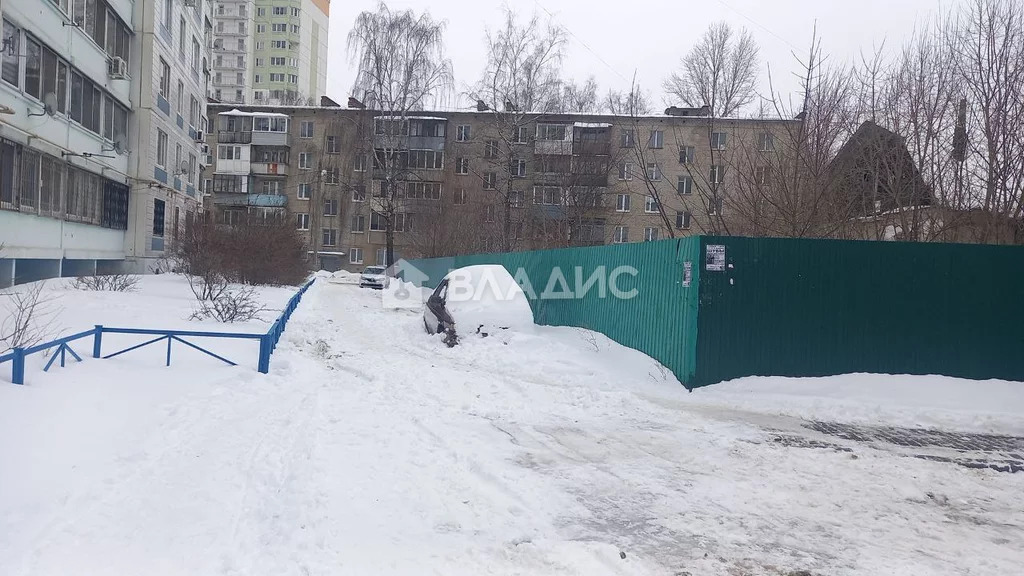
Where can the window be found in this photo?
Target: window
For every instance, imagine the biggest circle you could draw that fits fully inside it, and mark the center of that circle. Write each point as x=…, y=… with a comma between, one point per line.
x=241, y=27
x=426, y=159
x=261, y=29
x=686, y=154
x=306, y=129
x=360, y=163
x=520, y=169
x=423, y=190
x=332, y=145
x=761, y=175
x=462, y=133
x=331, y=207
x=332, y=177
x=302, y=221
x=305, y=161
x=168, y=13
x=488, y=213
x=657, y=139
x=718, y=140
x=177, y=158
x=653, y=171
x=551, y=131
x=717, y=174
x=766, y=142
x=181, y=35
x=460, y=196
x=165, y=79
x=271, y=187
x=258, y=80
x=628, y=139
x=622, y=203
x=161, y=148
x=158, y=217
x=279, y=44
x=278, y=28
x=280, y=11
x=358, y=223
x=685, y=185
x=650, y=234
x=547, y=195
x=522, y=135
x=355, y=255
x=462, y=165
x=229, y=152
x=359, y=193
x=714, y=207
x=197, y=60
x=293, y=79
x=295, y=28
x=626, y=171
x=490, y=180
x=276, y=77
x=379, y=223
x=295, y=12
x=261, y=11
x=181, y=98
x=621, y=234
x=651, y=205
x=259, y=46
x=303, y=192
x=382, y=256
x=491, y=149
x=683, y=220
x=11, y=60
x=241, y=46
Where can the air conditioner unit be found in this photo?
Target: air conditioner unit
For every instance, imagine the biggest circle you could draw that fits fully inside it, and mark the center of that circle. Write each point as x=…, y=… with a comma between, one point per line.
x=117, y=68
x=189, y=3
x=205, y=148
x=200, y=137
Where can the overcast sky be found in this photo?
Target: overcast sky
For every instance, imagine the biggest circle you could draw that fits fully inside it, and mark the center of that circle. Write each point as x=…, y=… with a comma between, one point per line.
x=612, y=40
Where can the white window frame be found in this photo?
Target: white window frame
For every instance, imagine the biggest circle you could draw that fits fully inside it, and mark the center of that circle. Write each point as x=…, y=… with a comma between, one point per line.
x=355, y=255
x=656, y=140
x=305, y=161
x=623, y=203
x=650, y=205
x=650, y=234
x=684, y=185
x=302, y=221
x=304, y=191
x=683, y=219
x=719, y=140
x=626, y=171
x=653, y=172
x=462, y=166
x=462, y=133
x=620, y=235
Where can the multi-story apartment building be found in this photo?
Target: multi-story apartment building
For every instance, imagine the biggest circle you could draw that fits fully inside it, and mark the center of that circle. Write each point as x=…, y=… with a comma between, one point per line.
x=476, y=181
x=269, y=51
x=100, y=132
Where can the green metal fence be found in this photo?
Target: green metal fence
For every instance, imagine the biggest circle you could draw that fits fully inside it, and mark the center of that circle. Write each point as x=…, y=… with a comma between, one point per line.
x=711, y=309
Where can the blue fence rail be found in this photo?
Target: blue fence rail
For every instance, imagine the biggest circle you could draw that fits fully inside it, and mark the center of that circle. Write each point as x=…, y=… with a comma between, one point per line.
x=268, y=342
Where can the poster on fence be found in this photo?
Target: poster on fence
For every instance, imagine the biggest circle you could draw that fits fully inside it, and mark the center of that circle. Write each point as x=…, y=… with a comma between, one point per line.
x=714, y=260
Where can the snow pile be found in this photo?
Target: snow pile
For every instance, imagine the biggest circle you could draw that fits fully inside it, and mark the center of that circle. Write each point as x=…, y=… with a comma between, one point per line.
x=915, y=401
x=487, y=296
x=344, y=277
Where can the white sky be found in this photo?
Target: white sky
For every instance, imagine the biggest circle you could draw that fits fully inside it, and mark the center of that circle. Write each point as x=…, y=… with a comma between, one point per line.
x=649, y=36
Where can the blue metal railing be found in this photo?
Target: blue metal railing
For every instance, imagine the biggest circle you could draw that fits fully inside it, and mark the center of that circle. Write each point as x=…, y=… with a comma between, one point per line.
x=268, y=342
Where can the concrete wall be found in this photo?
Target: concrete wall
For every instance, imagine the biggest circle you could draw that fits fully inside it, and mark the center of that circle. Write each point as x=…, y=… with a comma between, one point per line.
x=25, y=236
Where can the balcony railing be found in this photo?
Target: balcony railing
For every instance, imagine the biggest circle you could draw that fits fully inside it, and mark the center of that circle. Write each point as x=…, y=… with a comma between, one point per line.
x=254, y=200
x=553, y=147
x=270, y=168
x=234, y=137
x=591, y=148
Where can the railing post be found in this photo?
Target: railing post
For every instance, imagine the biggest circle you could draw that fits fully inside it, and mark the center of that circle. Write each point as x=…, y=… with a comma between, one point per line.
x=168, y=350
x=97, y=341
x=18, y=366
x=264, y=365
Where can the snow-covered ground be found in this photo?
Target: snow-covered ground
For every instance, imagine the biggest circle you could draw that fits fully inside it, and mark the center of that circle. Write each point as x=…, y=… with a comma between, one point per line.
x=372, y=448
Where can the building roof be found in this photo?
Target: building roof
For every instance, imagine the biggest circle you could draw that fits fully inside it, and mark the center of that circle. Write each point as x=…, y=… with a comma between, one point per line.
x=237, y=112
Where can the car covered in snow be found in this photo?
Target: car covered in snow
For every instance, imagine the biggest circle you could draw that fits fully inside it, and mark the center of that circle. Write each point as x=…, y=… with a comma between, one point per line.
x=373, y=277
x=476, y=300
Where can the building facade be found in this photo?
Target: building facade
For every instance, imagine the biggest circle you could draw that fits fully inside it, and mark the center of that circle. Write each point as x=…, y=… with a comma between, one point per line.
x=463, y=182
x=100, y=133
x=269, y=51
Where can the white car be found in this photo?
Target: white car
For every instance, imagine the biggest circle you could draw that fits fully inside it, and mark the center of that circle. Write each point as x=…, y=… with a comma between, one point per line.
x=484, y=300
x=373, y=277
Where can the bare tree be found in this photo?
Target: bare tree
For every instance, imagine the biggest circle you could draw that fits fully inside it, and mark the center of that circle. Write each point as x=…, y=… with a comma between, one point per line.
x=720, y=72
x=578, y=98
x=27, y=317
x=632, y=103
x=401, y=66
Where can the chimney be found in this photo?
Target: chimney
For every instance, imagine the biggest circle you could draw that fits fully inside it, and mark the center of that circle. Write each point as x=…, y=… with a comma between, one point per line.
x=481, y=106
x=510, y=107
x=354, y=103
x=326, y=102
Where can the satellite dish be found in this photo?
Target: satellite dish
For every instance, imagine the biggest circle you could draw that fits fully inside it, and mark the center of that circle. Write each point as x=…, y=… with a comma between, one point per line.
x=50, y=103
x=119, y=143
x=184, y=167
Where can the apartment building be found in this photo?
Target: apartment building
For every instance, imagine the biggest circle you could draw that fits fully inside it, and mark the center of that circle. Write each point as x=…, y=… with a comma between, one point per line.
x=100, y=133
x=269, y=51
x=474, y=181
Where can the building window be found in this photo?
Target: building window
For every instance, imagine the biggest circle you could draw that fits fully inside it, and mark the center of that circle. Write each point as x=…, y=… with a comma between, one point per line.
x=761, y=175
x=306, y=129
x=271, y=187
x=462, y=133
x=718, y=140
x=280, y=11
x=303, y=193
x=305, y=161
x=551, y=131
x=685, y=185
x=11, y=63
x=382, y=256
x=714, y=207
x=229, y=152
x=490, y=180
x=332, y=145
x=332, y=176
x=331, y=207
x=491, y=149
x=181, y=35
x=657, y=139
x=628, y=139
x=423, y=190
x=489, y=213
x=520, y=169
x=161, y=148
x=522, y=134
x=653, y=171
x=425, y=159
x=261, y=28
x=717, y=174
x=165, y=78
x=687, y=154
x=158, y=217
x=650, y=234
x=622, y=203
x=359, y=193
x=547, y=195
x=683, y=220
x=355, y=255
x=302, y=221
x=766, y=142
x=295, y=12
x=168, y=13
x=197, y=60
x=621, y=234
x=278, y=28
x=295, y=28
x=358, y=224
x=651, y=205
x=626, y=171
x=360, y=163
x=462, y=166
x=460, y=196
x=330, y=236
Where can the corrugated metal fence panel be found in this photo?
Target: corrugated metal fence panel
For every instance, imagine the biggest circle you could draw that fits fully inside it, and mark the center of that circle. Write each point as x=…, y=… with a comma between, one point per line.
x=822, y=307
x=660, y=319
